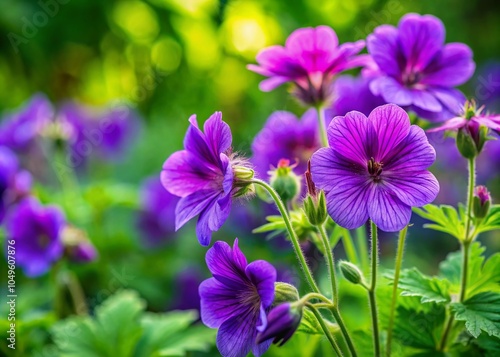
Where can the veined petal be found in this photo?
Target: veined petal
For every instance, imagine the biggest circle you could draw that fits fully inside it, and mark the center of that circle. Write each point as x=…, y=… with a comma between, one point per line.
x=451, y=98
x=452, y=124
x=347, y=202
x=236, y=336
x=426, y=100
x=224, y=267
x=392, y=126
x=218, y=134
x=353, y=137
x=384, y=48
x=387, y=211
x=414, y=189
x=263, y=276
x=192, y=205
x=196, y=143
x=412, y=154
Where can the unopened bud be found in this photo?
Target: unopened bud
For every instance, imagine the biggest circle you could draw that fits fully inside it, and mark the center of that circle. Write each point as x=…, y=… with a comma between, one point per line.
x=284, y=292
x=351, y=272
x=481, y=202
x=314, y=203
x=285, y=181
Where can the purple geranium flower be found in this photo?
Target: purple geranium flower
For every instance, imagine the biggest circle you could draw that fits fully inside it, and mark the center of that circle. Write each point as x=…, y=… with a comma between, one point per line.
x=14, y=183
x=310, y=59
x=156, y=219
x=205, y=175
x=19, y=130
x=282, y=322
x=284, y=136
x=375, y=168
x=236, y=299
x=417, y=70
x=36, y=231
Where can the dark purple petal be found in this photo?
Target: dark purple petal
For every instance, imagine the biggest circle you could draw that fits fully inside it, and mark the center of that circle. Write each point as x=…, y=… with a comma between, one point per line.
x=196, y=143
x=426, y=100
x=275, y=60
x=263, y=276
x=453, y=66
x=421, y=37
x=192, y=205
x=412, y=154
x=218, y=134
x=413, y=188
x=391, y=90
x=387, y=211
x=261, y=348
x=384, y=48
x=236, y=336
x=347, y=202
x=227, y=265
x=212, y=218
x=353, y=137
x=392, y=126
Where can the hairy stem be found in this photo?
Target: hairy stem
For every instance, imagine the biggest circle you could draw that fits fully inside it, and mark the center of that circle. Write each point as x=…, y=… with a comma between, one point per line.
x=371, y=291
x=350, y=250
x=362, y=247
x=325, y=328
x=343, y=329
x=293, y=236
x=330, y=262
x=397, y=270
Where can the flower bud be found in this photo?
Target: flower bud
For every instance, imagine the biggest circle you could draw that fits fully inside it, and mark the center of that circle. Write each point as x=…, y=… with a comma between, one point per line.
x=351, y=272
x=481, y=202
x=471, y=139
x=282, y=322
x=314, y=203
x=284, y=292
x=77, y=246
x=285, y=181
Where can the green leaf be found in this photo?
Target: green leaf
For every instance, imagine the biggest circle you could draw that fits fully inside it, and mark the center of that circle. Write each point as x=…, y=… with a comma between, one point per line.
x=490, y=344
x=491, y=221
x=310, y=325
x=480, y=313
x=483, y=276
x=446, y=219
x=430, y=289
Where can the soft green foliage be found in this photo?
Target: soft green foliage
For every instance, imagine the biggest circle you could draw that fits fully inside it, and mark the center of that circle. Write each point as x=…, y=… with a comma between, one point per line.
x=277, y=227
x=480, y=313
x=122, y=328
x=491, y=221
x=445, y=219
x=430, y=289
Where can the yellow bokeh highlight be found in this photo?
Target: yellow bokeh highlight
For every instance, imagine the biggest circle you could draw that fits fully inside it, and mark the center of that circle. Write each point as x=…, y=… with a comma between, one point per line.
x=197, y=8
x=137, y=19
x=166, y=54
x=338, y=13
x=232, y=81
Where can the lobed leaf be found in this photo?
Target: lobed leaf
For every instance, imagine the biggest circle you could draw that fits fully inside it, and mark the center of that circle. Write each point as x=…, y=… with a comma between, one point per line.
x=480, y=313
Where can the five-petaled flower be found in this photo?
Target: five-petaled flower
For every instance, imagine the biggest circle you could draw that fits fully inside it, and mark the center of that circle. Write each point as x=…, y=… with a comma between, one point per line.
x=376, y=168
x=237, y=299
x=310, y=59
x=417, y=70
x=206, y=176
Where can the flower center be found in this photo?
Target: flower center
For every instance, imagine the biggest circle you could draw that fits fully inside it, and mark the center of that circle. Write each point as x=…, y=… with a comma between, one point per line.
x=43, y=240
x=411, y=78
x=375, y=169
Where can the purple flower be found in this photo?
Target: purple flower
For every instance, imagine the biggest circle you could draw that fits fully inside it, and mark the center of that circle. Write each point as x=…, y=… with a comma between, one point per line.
x=353, y=93
x=19, y=130
x=417, y=70
x=310, y=59
x=14, y=183
x=481, y=192
x=487, y=85
x=236, y=299
x=282, y=322
x=285, y=137
x=375, y=168
x=156, y=219
x=205, y=176
x=36, y=230
x=186, y=289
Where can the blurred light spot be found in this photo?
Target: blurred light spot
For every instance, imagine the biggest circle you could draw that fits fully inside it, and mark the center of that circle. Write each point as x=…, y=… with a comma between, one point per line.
x=339, y=14
x=136, y=19
x=166, y=54
x=192, y=7
x=232, y=81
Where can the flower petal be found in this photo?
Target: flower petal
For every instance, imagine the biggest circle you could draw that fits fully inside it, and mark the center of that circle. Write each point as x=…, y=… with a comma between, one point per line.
x=412, y=154
x=218, y=134
x=453, y=66
x=392, y=126
x=192, y=205
x=227, y=265
x=277, y=61
x=236, y=336
x=391, y=90
x=263, y=276
x=414, y=188
x=383, y=46
x=426, y=100
x=420, y=37
x=347, y=202
x=452, y=124
x=387, y=211
x=212, y=218
x=353, y=137
x=197, y=144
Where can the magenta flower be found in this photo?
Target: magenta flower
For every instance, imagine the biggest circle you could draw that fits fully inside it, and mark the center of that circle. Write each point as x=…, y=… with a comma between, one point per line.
x=36, y=231
x=375, y=168
x=236, y=300
x=204, y=176
x=310, y=59
x=417, y=70
x=284, y=136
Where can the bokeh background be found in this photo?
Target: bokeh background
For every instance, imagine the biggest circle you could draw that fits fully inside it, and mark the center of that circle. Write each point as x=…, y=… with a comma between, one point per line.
x=169, y=59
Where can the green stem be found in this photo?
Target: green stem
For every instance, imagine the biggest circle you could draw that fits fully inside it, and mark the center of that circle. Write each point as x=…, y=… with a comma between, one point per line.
x=343, y=328
x=293, y=236
x=322, y=126
x=77, y=294
x=362, y=247
x=325, y=328
x=397, y=269
x=465, y=252
x=371, y=291
x=350, y=250
x=330, y=262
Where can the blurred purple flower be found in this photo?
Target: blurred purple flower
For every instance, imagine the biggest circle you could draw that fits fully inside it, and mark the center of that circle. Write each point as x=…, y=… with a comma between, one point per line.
x=417, y=70
x=310, y=59
x=284, y=136
x=204, y=176
x=77, y=245
x=156, y=219
x=236, y=299
x=36, y=230
x=352, y=93
x=487, y=86
x=186, y=290
x=14, y=183
x=19, y=129
x=375, y=168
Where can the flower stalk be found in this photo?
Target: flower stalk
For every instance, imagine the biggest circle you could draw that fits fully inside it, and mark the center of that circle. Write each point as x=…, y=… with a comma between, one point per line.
x=371, y=290
x=322, y=125
x=325, y=329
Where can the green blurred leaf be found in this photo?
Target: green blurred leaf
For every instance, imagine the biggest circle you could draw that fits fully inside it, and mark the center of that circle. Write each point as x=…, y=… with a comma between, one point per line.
x=430, y=289
x=491, y=221
x=490, y=344
x=480, y=313
x=446, y=219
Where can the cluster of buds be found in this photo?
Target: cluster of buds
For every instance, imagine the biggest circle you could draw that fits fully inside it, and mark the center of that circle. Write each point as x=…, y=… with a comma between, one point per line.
x=472, y=136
